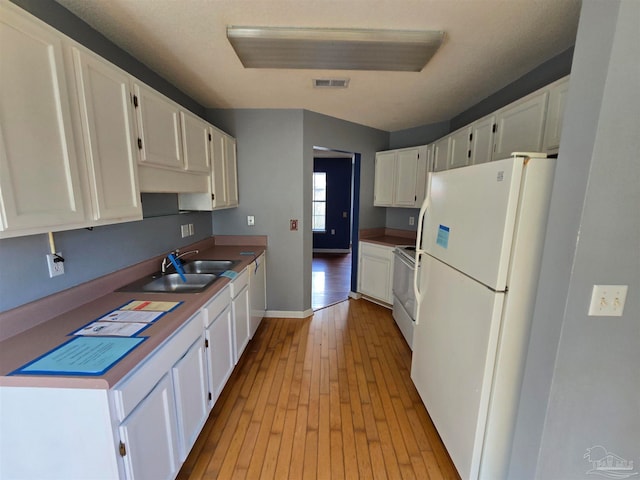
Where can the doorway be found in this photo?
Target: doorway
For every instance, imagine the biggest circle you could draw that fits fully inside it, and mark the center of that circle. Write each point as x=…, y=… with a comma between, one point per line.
x=333, y=174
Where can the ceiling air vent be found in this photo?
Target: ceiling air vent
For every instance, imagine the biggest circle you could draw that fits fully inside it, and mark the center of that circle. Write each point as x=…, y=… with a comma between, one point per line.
x=330, y=82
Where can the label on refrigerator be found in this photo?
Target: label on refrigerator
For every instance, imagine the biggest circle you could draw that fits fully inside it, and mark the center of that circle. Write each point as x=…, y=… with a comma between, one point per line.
x=443, y=236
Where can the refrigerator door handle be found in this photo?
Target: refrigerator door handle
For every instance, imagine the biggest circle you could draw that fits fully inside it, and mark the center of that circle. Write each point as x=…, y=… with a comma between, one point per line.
x=423, y=211
x=416, y=284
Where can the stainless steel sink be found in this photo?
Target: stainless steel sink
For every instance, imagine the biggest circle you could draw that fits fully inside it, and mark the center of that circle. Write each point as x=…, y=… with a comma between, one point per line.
x=172, y=283
x=208, y=266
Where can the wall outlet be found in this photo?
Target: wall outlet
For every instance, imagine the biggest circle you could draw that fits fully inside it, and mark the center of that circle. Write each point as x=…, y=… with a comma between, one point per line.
x=55, y=267
x=412, y=220
x=192, y=229
x=293, y=224
x=184, y=230
x=251, y=220
x=607, y=300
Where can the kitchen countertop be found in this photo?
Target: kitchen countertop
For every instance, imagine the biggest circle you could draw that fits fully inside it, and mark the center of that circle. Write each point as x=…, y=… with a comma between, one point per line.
x=34, y=342
x=388, y=236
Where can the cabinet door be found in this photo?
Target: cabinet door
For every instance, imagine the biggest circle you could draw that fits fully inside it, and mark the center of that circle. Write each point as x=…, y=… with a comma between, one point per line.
x=482, y=140
x=220, y=361
x=39, y=177
x=149, y=436
x=406, y=173
x=231, y=164
x=109, y=139
x=158, y=128
x=384, y=179
x=218, y=170
x=240, y=311
x=460, y=148
x=375, y=272
x=190, y=387
x=555, y=112
x=441, y=154
x=257, y=293
x=195, y=142
x=519, y=127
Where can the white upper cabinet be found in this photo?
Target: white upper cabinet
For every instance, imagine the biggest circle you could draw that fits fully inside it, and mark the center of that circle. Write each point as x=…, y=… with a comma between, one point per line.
x=231, y=176
x=410, y=181
x=222, y=188
x=218, y=170
x=482, y=140
x=400, y=177
x=520, y=126
x=555, y=112
x=158, y=129
x=107, y=127
x=384, y=179
x=441, y=154
x=460, y=147
x=39, y=176
x=195, y=142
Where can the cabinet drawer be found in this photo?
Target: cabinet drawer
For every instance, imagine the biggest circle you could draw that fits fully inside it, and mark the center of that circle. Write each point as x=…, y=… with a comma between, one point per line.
x=241, y=281
x=136, y=386
x=374, y=250
x=216, y=306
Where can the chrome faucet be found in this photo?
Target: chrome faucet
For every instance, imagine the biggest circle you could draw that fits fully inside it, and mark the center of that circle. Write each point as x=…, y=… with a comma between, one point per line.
x=176, y=253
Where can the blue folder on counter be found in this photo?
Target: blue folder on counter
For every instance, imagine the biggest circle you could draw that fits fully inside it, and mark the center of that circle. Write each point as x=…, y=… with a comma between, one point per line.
x=90, y=356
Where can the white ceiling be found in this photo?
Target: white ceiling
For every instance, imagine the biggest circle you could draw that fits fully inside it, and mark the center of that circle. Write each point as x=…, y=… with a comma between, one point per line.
x=488, y=44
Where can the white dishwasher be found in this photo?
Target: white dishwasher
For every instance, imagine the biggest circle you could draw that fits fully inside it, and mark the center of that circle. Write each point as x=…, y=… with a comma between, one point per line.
x=404, y=299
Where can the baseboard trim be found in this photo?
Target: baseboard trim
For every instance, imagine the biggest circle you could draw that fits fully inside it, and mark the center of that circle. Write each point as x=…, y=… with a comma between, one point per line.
x=331, y=250
x=288, y=313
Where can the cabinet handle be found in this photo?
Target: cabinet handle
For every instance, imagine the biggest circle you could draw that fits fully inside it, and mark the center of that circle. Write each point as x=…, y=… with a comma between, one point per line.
x=135, y=101
x=123, y=449
x=139, y=143
x=206, y=343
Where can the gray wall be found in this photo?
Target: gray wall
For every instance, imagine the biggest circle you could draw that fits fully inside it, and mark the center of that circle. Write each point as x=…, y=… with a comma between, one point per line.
x=399, y=218
x=420, y=135
x=88, y=254
x=582, y=380
x=270, y=174
x=275, y=166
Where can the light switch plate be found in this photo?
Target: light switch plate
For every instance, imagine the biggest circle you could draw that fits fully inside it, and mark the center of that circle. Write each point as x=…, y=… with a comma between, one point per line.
x=607, y=300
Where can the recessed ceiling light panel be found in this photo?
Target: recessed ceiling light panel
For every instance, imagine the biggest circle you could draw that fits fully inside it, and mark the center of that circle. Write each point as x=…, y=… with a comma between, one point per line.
x=334, y=49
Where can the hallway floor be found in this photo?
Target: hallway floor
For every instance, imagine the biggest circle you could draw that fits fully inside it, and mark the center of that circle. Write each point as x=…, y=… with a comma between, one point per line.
x=331, y=279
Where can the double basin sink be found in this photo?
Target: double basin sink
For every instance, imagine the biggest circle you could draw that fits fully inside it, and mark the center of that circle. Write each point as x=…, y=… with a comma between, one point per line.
x=198, y=275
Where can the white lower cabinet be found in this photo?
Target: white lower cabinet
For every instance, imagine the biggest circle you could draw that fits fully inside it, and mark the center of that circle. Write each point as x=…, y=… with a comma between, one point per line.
x=218, y=336
x=148, y=437
x=144, y=426
x=240, y=311
x=190, y=381
x=375, y=271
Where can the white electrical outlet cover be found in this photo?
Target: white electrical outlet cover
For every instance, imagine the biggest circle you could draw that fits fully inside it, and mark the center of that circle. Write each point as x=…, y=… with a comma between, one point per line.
x=55, y=268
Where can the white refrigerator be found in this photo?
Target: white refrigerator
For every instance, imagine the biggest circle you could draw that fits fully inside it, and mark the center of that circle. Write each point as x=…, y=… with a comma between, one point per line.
x=478, y=256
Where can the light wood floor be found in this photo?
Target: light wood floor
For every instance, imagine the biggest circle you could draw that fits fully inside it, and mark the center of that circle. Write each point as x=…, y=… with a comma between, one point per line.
x=327, y=397
x=330, y=279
